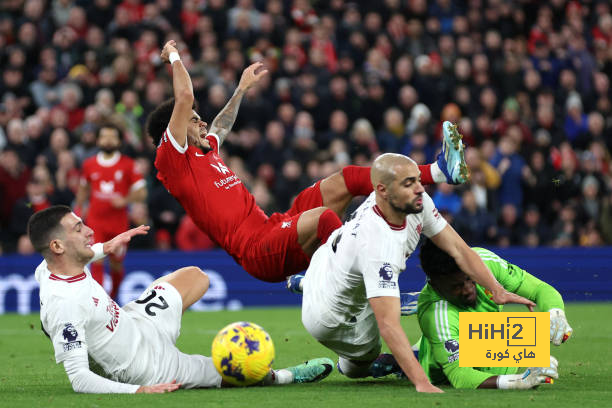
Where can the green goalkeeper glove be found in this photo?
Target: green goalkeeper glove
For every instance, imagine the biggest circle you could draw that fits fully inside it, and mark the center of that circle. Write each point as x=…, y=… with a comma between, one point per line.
x=532, y=377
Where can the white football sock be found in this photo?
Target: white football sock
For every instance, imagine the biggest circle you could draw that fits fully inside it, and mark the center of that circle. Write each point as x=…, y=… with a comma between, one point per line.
x=436, y=173
x=283, y=376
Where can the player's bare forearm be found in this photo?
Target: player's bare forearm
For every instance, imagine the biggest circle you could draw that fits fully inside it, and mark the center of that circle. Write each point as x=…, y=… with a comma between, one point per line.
x=467, y=260
x=181, y=82
x=387, y=312
x=472, y=265
x=222, y=124
x=490, y=382
x=183, y=94
x=400, y=347
x=224, y=121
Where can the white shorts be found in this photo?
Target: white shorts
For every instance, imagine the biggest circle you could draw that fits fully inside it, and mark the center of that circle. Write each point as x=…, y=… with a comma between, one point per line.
x=358, y=341
x=158, y=313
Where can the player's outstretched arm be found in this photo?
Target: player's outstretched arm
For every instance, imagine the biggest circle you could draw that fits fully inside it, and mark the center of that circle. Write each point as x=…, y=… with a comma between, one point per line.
x=183, y=93
x=223, y=122
x=118, y=242
x=549, y=300
x=83, y=380
x=87, y=382
x=530, y=378
x=387, y=312
x=470, y=263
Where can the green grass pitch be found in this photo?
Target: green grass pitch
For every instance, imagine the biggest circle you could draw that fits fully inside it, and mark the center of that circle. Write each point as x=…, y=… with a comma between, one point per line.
x=29, y=376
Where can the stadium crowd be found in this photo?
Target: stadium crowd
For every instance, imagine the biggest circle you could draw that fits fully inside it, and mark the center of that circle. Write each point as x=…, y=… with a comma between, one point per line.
x=527, y=82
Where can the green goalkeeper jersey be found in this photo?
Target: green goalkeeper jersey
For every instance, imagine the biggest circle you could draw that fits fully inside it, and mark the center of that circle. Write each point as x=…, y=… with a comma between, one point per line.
x=439, y=321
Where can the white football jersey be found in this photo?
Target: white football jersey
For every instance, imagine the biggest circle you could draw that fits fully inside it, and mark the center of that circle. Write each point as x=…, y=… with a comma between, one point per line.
x=80, y=318
x=363, y=259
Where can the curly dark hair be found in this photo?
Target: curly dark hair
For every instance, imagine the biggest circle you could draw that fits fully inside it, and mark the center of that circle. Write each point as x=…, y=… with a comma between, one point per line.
x=158, y=120
x=44, y=225
x=435, y=262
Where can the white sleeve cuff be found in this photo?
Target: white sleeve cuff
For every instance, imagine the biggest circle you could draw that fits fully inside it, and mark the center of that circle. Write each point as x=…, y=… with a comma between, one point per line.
x=178, y=147
x=137, y=185
x=218, y=140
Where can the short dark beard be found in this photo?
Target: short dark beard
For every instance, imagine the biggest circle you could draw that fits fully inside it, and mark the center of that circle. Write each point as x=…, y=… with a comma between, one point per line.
x=109, y=149
x=407, y=209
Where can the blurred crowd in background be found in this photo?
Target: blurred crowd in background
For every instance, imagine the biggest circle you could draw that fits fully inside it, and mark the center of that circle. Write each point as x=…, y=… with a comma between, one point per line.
x=527, y=82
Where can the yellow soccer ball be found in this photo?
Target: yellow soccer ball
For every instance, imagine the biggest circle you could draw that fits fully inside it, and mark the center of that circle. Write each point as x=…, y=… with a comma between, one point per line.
x=243, y=353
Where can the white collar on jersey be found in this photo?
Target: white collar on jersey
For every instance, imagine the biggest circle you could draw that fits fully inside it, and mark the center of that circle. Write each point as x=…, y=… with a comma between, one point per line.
x=108, y=162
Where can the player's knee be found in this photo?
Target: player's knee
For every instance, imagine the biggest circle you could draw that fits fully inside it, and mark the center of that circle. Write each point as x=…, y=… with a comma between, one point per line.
x=201, y=277
x=328, y=222
x=353, y=369
x=197, y=277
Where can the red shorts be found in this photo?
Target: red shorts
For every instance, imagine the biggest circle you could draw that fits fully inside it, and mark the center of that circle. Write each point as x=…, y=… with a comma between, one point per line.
x=103, y=231
x=273, y=251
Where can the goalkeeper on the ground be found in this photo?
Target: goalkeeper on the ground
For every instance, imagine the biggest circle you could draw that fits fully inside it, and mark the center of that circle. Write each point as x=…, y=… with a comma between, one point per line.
x=450, y=291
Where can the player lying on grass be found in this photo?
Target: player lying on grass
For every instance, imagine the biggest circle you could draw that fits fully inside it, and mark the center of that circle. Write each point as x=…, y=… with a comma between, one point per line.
x=133, y=345
x=268, y=248
x=351, y=292
x=450, y=291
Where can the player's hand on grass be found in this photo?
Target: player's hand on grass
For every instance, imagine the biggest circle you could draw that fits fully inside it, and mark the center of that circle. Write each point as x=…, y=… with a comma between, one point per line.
x=560, y=329
x=531, y=378
x=169, y=47
x=428, y=387
x=503, y=297
x=551, y=371
x=251, y=75
x=120, y=241
x=158, y=388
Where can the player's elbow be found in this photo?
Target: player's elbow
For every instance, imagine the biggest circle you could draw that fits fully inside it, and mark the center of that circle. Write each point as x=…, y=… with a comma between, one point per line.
x=76, y=387
x=78, y=380
x=184, y=97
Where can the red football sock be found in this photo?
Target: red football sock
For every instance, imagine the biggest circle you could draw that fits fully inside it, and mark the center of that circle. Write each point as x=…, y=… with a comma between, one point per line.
x=116, y=277
x=357, y=180
x=426, y=177
x=97, y=272
x=328, y=222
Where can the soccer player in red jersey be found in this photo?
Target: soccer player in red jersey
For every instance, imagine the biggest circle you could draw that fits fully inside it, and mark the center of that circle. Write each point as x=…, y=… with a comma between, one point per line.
x=110, y=182
x=188, y=163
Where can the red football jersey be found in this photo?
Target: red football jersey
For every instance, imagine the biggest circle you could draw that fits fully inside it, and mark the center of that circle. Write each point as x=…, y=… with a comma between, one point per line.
x=109, y=179
x=212, y=195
